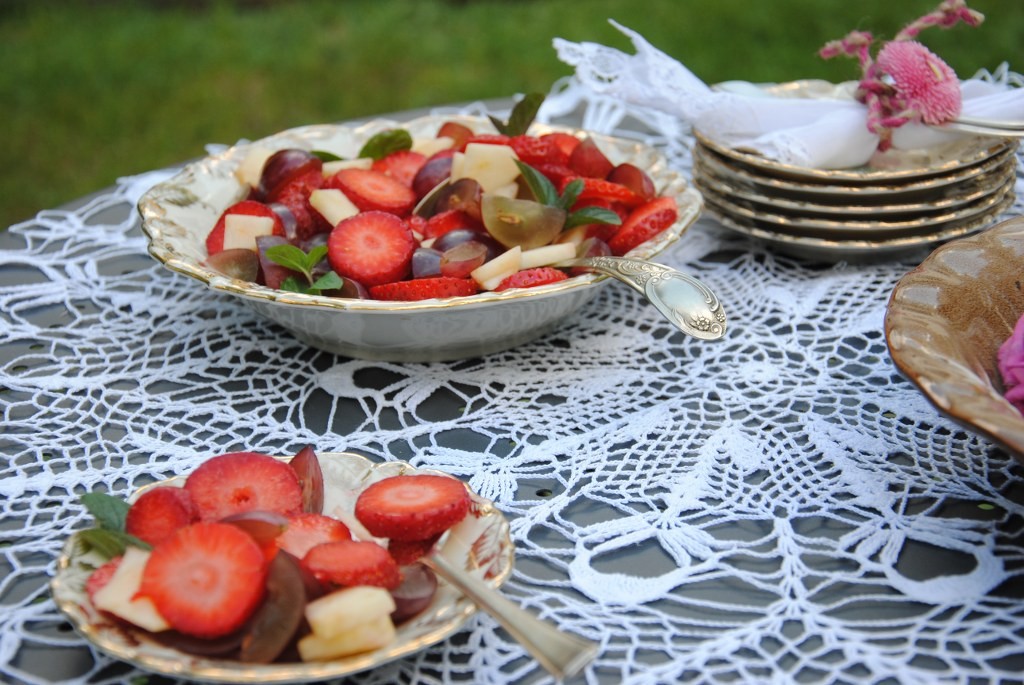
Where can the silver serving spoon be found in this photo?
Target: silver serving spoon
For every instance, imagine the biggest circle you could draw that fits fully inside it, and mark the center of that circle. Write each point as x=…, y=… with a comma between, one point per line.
x=562, y=654
x=687, y=303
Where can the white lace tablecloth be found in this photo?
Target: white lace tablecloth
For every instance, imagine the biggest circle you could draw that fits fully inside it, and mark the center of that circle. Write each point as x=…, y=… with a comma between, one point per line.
x=780, y=506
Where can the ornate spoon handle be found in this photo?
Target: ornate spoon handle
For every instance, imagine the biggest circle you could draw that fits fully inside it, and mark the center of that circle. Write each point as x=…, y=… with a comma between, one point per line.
x=562, y=654
x=686, y=302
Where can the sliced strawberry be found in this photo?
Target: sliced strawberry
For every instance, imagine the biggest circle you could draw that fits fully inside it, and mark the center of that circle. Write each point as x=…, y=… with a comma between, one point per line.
x=373, y=191
x=488, y=139
x=159, y=512
x=424, y=289
x=295, y=196
x=644, y=223
x=558, y=174
x=412, y=507
x=402, y=165
x=588, y=160
x=600, y=189
x=566, y=142
x=406, y=552
x=206, y=580
x=306, y=531
x=534, y=151
x=459, y=133
x=215, y=239
x=529, y=278
x=100, y=577
x=371, y=247
x=244, y=481
x=418, y=225
x=449, y=220
x=351, y=562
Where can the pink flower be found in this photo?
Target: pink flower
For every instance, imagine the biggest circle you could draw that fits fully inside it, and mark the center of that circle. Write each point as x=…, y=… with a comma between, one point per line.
x=925, y=88
x=1010, y=360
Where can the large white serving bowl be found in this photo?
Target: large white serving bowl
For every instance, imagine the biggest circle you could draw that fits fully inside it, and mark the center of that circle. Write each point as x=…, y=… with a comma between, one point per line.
x=179, y=213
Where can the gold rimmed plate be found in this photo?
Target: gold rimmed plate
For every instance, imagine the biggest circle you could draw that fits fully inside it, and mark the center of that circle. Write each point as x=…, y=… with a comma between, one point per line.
x=854, y=228
x=862, y=249
x=967, y=192
x=480, y=544
x=945, y=321
x=919, y=190
x=178, y=214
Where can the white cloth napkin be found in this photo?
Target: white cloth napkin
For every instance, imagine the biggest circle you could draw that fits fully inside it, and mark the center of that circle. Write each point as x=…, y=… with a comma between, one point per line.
x=827, y=131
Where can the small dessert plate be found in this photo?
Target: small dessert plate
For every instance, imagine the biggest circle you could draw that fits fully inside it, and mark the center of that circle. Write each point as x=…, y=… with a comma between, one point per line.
x=480, y=544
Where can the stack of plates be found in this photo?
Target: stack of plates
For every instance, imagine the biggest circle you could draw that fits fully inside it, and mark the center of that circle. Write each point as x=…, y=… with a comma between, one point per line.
x=917, y=200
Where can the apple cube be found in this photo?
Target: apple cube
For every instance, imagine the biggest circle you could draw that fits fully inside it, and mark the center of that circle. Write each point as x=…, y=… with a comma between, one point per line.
x=548, y=254
x=251, y=167
x=345, y=610
x=492, y=166
x=490, y=274
x=430, y=146
x=118, y=595
x=332, y=204
x=368, y=635
x=241, y=230
x=336, y=165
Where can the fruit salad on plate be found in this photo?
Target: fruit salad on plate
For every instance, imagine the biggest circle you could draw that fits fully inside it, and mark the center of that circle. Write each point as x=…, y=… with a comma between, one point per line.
x=282, y=565
x=451, y=215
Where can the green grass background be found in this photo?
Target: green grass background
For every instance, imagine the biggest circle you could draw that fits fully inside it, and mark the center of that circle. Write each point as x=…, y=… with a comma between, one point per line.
x=94, y=90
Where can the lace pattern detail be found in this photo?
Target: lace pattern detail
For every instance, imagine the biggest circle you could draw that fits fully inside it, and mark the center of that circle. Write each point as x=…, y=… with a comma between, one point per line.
x=741, y=511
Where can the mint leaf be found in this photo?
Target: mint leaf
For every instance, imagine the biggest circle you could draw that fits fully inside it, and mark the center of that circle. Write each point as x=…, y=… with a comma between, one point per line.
x=329, y=281
x=314, y=256
x=382, y=144
x=570, y=194
x=110, y=543
x=326, y=156
x=287, y=256
x=292, y=285
x=592, y=215
x=109, y=511
x=542, y=188
x=521, y=116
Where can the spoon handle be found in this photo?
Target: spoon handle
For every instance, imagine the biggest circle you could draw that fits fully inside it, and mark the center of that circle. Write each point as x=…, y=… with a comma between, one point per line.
x=687, y=303
x=562, y=654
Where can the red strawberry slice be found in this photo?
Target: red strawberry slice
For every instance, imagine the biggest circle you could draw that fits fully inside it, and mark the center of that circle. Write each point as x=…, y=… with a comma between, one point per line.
x=406, y=552
x=371, y=190
x=566, y=142
x=588, y=160
x=244, y=481
x=159, y=512
x=306, y=531
x=488, y=139
x=424, y=289
x=100, y=577
x=534, y=151
x=402, y=165
x=206, y=580
x=529, y=278
x=372, y=247
x=558, y=174
x=351, y=562
x=215, y=239
x=295, y=196
x=413, y=507
x=644, y=223
x=600, y=189
x=449, y=220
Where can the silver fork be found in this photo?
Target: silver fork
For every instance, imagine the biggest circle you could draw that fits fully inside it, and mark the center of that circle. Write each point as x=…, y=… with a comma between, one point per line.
x=999, y=128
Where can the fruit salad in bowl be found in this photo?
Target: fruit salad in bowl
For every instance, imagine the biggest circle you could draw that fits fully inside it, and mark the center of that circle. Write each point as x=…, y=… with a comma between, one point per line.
x=436, y=238
x=257, y=569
